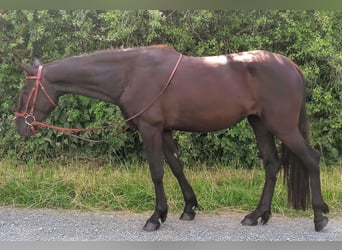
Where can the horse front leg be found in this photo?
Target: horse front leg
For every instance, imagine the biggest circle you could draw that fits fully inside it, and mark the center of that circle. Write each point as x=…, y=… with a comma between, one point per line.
x=172, y=158
x=152, y=138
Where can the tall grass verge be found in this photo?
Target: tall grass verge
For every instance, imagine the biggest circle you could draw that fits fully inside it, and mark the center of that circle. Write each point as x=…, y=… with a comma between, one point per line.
x=88, y=187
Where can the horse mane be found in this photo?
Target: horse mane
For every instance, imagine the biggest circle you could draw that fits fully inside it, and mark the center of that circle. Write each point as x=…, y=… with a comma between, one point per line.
x=118, y=50
x=121, y=48
x=162, y=46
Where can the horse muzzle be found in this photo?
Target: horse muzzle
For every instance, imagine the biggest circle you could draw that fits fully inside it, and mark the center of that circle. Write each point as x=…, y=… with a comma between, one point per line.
x=25, y=125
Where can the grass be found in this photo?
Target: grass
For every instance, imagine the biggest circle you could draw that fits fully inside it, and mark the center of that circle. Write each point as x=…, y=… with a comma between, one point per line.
x=82, y=186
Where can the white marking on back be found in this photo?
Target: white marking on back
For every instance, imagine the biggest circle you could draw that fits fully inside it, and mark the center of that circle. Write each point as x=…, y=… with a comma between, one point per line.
x=243, y=57
x=215, y=60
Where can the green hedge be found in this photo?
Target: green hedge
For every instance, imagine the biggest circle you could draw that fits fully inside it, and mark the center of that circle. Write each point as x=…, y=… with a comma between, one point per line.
x=311, y=38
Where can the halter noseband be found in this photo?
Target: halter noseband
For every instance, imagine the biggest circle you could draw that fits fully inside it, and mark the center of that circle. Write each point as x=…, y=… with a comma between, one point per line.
x=30, y=119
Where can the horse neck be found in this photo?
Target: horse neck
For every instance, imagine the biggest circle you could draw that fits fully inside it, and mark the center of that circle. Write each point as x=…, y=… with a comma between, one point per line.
x=100, y=76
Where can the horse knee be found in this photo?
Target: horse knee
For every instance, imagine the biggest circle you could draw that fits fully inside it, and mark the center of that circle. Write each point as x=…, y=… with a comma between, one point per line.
x=157, y=176
x=157, y=179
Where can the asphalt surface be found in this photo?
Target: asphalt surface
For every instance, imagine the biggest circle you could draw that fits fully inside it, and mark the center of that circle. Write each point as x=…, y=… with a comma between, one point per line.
x=57, y=225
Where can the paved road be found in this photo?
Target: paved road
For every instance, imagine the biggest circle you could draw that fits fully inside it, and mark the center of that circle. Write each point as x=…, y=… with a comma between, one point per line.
x=46, y=224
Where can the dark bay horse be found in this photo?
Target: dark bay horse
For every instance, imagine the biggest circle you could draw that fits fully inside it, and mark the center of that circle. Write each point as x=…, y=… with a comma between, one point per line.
x=202, y=94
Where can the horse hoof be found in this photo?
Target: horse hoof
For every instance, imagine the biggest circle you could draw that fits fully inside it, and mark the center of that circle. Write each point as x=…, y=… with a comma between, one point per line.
x=319, y=225
x=188, y=215
x=265, y=217
x=248, y=221
x=151, y=226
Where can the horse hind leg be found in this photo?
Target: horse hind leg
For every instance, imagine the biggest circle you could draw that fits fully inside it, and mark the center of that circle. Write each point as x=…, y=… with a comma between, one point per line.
x=172, y=158
x=269, y=155
x=301, y=155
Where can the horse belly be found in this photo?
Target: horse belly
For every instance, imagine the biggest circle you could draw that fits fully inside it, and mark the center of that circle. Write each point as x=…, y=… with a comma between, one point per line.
x=206, y=116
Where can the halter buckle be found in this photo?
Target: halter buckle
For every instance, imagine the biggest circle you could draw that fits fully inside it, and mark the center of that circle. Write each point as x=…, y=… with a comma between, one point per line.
x=29, y=119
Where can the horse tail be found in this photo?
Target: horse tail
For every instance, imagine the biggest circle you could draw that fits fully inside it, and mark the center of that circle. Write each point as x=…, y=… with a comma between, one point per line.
x=295, y=173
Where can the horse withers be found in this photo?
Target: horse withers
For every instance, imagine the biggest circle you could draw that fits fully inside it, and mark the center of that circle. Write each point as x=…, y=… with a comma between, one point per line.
x=159, y=90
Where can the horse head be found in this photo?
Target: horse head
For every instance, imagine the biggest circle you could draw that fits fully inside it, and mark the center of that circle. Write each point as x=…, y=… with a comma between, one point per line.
x=38, y=99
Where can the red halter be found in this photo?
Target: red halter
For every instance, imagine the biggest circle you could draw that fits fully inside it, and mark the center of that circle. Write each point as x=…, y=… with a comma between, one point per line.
x=29, y=117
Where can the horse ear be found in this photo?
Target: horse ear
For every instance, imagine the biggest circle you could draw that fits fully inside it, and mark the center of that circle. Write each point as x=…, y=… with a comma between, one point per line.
x=29, y=69
x=36, y=63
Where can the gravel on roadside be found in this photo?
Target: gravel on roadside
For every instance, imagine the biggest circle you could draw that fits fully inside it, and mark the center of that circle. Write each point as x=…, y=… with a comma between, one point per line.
x=48, y=224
